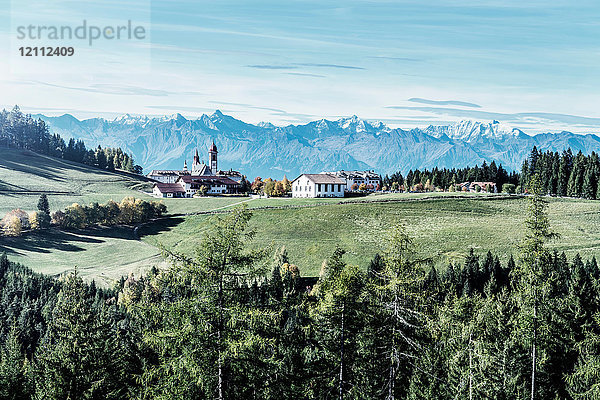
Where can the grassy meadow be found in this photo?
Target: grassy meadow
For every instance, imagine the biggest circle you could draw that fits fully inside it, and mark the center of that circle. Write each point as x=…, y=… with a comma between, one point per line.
x=25, y=175
x=103, y=254
x=443, y=227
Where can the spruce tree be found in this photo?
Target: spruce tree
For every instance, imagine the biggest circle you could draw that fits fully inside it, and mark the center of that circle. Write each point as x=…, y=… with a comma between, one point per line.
x=533, y=277
x=43, y=204
x=79, y=358
x=339, y=315
x=205, y=331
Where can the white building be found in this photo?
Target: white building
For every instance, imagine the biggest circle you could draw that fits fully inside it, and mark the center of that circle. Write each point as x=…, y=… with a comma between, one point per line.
x=214, y=184
x=318, y=185
x=161, y=189
x=166, y=176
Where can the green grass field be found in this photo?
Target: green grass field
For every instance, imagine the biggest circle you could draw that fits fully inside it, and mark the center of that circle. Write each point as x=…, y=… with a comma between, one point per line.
x=443, y=225
x=443, y=228
x=103, y=255
x=24, y=176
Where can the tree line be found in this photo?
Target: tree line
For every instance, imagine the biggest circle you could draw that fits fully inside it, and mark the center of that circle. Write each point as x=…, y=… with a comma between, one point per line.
x=22, y=131
x=232, y=321
x=446, y=178
x=129, y=211
x=563, y=174
x=271, y=187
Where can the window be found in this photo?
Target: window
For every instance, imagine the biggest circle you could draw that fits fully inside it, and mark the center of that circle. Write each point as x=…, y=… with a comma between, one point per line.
x=318, y=187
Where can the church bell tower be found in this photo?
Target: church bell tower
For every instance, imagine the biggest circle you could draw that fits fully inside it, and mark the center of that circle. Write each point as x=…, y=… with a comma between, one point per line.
x=212, y=157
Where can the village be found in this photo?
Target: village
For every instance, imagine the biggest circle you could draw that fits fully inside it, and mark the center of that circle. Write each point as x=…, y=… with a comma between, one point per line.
x=208, y=180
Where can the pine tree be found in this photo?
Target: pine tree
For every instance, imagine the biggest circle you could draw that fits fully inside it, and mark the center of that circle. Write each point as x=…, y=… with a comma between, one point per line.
x=205, y=335
x=399, y=309
x=79, y=358
x=339, y=314
x=533, y=278
x=589, y=183
x=15, y=372
x=43, y=204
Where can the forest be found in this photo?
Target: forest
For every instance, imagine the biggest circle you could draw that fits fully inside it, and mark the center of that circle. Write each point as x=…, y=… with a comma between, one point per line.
x=18, y=130
x=564, y=174
x=445, y=178
x=227, y=321
x=560, y=174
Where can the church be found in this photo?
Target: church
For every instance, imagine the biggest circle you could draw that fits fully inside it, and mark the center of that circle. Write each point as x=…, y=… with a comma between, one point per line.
x=203, y=178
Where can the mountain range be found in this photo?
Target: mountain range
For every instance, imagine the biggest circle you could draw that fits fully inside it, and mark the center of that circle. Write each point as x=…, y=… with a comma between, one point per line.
x=323, y=145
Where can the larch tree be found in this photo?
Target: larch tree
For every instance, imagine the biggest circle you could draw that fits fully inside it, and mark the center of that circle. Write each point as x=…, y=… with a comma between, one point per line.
x=201, y=326
x=533, y=275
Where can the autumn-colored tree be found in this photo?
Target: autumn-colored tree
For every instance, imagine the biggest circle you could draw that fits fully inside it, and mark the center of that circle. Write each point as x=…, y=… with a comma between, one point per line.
x=287, y=185
x=257, y=185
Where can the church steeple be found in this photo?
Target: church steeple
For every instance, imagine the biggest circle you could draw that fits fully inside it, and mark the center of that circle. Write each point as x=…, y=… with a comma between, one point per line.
x=212, y=157
x=185, y=165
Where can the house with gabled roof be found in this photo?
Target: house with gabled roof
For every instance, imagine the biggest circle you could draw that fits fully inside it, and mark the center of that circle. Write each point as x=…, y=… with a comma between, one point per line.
x=318, y=185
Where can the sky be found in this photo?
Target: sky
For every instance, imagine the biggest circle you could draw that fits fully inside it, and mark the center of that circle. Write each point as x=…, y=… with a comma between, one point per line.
x=532, y=65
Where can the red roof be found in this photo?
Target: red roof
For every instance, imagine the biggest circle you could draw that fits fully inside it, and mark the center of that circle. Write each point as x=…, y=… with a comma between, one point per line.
x=169, y=187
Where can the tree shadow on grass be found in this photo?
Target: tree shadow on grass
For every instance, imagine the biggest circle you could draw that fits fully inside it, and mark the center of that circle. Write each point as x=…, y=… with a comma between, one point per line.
x=159, y=226
x=112, y=232
x=45, y=242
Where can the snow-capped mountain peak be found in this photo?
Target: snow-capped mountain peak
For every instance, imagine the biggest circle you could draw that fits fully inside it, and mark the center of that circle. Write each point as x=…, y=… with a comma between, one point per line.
x=130, y=119
x=321, y=145
x=472, y=131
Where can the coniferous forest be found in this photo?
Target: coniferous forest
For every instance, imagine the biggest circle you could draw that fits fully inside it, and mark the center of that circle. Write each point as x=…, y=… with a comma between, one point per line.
x=445, y=178
x=232, y=322
x=564, y=174
x=21, y=131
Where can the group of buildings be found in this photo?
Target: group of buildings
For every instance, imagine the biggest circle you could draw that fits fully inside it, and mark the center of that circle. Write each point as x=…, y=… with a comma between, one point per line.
x=203, y=178
x=477, y=187
x=334, y=184
x=208, y=179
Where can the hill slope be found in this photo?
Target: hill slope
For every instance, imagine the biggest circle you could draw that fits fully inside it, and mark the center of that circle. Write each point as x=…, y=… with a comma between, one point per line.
x=348, y=143
x=25, y=175
x=443, y=227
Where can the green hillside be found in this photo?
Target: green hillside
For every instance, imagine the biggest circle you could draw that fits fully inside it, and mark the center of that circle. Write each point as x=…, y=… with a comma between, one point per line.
x=101, y=254
x=443, y=227
x=25, y=175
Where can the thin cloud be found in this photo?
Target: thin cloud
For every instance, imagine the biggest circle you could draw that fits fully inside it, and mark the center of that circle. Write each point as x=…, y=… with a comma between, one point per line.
x=396, y=58
x=266, y=66
x=303, y=74
x=527, y=118
x=338, y=66
x=123, y=90
x=276, y=110
x=444, y=102
x=191, y=109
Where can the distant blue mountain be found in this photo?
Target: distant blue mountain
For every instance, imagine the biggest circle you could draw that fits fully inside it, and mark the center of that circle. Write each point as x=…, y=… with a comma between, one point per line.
x=323, y=145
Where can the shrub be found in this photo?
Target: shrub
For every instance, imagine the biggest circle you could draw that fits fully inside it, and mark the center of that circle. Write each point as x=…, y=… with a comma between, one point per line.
x=15, y=222
x=509, y=188
x=13, y=226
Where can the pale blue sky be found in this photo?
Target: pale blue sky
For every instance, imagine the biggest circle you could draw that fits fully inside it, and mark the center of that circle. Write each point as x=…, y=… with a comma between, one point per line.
x=532, y=64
